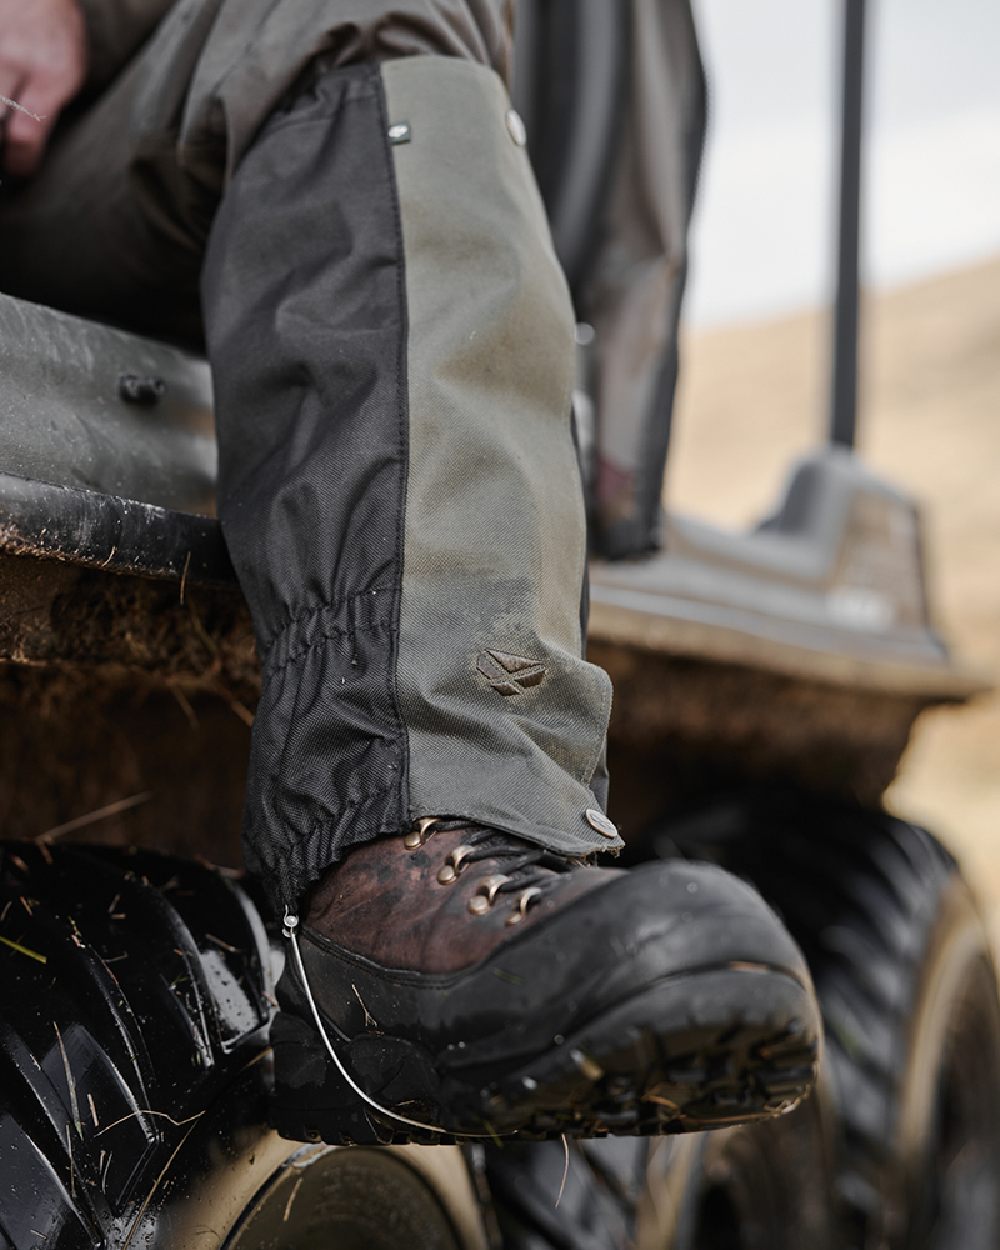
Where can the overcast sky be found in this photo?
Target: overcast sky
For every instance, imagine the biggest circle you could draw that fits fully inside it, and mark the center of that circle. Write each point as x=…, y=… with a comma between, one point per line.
x=763, y=235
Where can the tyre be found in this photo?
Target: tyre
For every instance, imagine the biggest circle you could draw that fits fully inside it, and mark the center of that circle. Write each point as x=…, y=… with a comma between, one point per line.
x=762, y=1186
x=137, y=991
x=902, y=966
x=584, y=1195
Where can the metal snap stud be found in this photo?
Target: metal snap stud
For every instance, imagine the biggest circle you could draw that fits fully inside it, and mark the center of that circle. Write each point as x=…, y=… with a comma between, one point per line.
x=516, y=128
x=597, y=820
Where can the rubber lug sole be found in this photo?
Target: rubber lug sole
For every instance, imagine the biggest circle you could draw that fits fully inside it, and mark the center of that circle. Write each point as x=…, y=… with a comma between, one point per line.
x=740, y=1045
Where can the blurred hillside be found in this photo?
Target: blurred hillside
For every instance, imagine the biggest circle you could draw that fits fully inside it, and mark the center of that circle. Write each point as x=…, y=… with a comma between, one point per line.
x=754, y=396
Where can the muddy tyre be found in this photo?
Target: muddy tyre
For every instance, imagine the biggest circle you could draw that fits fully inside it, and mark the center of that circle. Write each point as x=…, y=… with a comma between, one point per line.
x=903, y=969
x=137, y=991
x=761, y=1185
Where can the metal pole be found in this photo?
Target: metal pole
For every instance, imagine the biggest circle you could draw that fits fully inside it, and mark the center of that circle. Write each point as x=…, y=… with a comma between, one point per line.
x=844, y=391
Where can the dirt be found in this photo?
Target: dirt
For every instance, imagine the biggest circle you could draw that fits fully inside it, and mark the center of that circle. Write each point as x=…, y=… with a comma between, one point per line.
x=125, y=712
x=727, y=727
x=753, y=396
x=82, y=761
x=54, y=612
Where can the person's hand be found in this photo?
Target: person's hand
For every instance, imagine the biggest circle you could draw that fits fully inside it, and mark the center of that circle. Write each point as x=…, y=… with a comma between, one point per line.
x=43, y=61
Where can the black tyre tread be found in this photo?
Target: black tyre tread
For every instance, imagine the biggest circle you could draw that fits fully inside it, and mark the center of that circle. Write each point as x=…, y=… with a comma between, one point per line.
x=572, y=1196
x=762, y=1185
x=860, y=891
x=120, y=1018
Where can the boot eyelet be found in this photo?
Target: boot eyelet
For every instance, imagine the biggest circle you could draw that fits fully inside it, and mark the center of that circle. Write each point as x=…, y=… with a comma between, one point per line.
x=486, y=892
x=489, y=885
x=523, y=903
x=420, y=833
x=453, y=864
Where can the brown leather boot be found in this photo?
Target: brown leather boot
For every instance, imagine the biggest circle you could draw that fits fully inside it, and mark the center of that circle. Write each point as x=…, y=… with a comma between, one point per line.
x=410, y=903
x=475, y=984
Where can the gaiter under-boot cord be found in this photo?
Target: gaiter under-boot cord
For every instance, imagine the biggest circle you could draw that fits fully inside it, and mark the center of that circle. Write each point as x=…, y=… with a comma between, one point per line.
x=392, y=347
x=289, y=931
x=291, y=923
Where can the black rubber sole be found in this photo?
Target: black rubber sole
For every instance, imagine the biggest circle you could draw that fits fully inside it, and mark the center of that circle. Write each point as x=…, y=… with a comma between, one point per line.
x=736, y=1044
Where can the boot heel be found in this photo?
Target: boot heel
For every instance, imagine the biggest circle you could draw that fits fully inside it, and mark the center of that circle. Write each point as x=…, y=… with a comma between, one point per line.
x=313, y=1102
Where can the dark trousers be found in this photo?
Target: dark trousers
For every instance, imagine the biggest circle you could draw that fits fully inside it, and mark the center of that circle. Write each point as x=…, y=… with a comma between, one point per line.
x=334, y=199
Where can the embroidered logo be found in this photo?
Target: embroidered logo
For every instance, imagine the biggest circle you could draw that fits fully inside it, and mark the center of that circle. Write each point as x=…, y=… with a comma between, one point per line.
x=509, y=674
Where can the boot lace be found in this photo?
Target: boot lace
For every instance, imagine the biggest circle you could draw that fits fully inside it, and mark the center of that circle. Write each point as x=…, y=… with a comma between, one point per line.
x=528, y=871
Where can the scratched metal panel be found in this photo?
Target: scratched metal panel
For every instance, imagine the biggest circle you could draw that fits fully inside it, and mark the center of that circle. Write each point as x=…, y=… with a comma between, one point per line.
x=66, y=418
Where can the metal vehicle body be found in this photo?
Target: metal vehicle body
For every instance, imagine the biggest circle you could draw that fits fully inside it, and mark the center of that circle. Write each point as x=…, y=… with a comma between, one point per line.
x=767, y=683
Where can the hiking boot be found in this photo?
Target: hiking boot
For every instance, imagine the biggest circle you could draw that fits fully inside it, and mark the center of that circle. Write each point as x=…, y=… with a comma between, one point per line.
x=473, y=984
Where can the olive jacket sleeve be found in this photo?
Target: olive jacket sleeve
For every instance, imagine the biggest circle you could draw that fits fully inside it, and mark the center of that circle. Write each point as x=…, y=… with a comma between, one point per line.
x=116, y=29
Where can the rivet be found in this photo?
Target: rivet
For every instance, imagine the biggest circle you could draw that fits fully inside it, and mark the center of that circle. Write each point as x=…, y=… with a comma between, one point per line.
x=597, y=820
x=590, y=1068
x=412, y=840
x=399, y=132
x=479, y=905
x=515, y=128
x=447, y=875
x=144, y=391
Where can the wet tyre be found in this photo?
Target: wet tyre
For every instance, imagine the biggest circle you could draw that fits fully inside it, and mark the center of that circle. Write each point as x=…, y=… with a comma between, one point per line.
x=581, y=1195
x=761, y=1186
x=137, y=991
x=903, y=969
